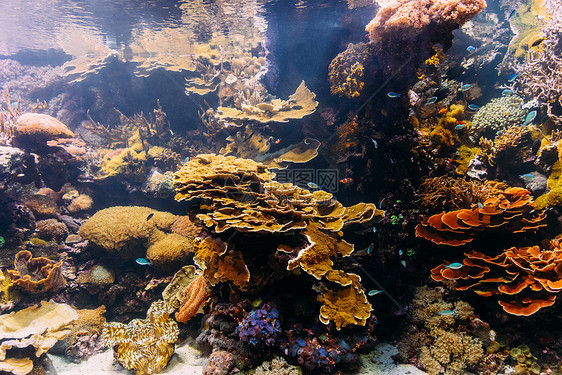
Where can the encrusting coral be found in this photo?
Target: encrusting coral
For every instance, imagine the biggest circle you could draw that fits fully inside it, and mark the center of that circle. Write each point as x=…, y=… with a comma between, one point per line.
x=37, y=327
x=144, y=345
x=524, y=279
x=240, y=194
x=511, y=209
x=36, y=275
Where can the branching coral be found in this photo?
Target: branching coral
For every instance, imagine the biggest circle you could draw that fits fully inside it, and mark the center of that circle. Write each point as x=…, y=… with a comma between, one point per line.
x=511, y=209
x=524, y=279
x=36, y=275
x=144, y=345
x=439, y=342
x=240, y=195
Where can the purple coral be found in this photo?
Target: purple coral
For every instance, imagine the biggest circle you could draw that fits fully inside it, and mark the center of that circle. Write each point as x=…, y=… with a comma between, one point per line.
x=260, y=326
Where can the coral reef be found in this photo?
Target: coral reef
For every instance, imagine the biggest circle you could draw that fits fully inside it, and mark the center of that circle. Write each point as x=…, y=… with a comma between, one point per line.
x=32, y=129
x=510, y=209
x=27, y=334
x=260, y=326
x=524, y=279
x=441, y=342
x=277, y=366
x=346, y=71
x=498, y=115
x=51, y=229
x=36, y=275
x=144, y=345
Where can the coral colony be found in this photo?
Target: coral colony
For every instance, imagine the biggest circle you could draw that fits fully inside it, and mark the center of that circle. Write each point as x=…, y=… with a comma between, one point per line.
x=193, y=184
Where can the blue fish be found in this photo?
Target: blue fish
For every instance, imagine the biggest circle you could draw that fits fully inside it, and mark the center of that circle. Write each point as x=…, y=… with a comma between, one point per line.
x=446, y=312
x=530, y=117
x=403, y=263
x=393, y=94
x=466, y=87
x=500, y=133
x=143, y=262
x=512, y=77
x=454, y=266
x=374, y=230
x=480, y=205
x=312, y=185
x=473, y=107
x=512, y=13
x=507, y=92
x=375, y=143
x=471, y=48
x=400, y=252
x=186, y=159
x=460, y=126
x=528, y=177
x=374, y=292
x=431, y=100
x=14, y=105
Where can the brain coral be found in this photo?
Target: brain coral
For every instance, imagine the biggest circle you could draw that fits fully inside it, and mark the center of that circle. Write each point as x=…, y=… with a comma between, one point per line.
x=37, y=127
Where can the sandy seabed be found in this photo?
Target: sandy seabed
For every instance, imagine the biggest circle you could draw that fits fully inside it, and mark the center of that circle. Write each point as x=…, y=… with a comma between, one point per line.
x=188, y=360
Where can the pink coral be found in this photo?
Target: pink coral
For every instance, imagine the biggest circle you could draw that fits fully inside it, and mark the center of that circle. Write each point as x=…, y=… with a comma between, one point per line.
x=406, y=18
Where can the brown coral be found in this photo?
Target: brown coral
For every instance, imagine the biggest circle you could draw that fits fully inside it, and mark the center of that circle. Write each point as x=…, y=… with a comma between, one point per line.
x=40, y=128
x=82, y=202
x=144, y=345
x=51, y=229
x=41, y=205
x=525, y=279
x=36, y=275
x=511, y=209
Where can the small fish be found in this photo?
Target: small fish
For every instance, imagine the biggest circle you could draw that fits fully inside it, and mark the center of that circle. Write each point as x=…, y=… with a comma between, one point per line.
x=374, y=292
x=528, y=176
x=20, y=175
x=14, y=105
x=143, y=262
x=530, y=117
x=400, y=252
x=403, y=263
x=171, y=132
x=431, y=100
x=442, y=111
x=312, y=185
x=277, y=141
x=471, y=48
x=393, y=94
x=355, y=118
x=278, y=160
x=500, y=133
x=186, y=159
x=446, y=312
x=460, y=126
x=539, y=41
x=449, y=161
x=473, y=107
x=454, y=266
x=149, y=216
x=374, y=230
x=466, y=87
x=375, y=143
x=347, y=180
x=507, y=92
x=512, y=13
x=512, y=77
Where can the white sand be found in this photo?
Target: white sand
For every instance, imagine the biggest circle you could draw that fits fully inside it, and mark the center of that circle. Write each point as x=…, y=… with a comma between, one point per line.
x=187, y=360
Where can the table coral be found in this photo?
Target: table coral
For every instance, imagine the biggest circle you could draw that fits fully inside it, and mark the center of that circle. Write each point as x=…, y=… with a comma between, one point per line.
x=524, y=279
x=36, y=275
x=144, y=345
x=240, y=194
x=511, y=209
x=37, y=328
